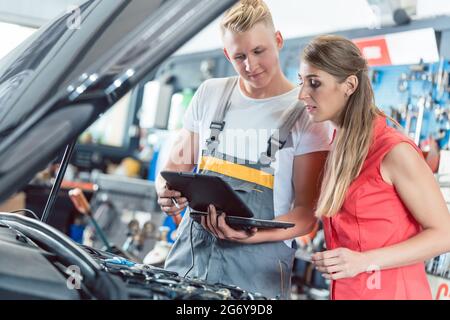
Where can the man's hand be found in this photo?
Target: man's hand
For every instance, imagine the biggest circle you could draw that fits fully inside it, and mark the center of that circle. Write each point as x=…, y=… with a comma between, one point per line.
x=169, y=199
x=182, y=158
x=215, y=223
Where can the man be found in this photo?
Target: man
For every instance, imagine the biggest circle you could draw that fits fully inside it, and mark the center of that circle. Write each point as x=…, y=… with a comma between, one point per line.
x=226, y=133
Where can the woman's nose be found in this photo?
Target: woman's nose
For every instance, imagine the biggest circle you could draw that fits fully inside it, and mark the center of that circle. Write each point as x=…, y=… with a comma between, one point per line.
x=302, y=93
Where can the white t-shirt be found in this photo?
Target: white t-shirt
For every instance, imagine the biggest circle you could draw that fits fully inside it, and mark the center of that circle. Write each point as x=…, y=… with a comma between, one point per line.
x=249, y=124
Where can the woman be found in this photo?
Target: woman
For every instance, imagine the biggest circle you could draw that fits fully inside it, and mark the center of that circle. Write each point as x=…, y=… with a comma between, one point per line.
x=382, y=210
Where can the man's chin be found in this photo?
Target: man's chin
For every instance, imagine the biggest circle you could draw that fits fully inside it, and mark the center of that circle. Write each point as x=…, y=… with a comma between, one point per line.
x=258, y=83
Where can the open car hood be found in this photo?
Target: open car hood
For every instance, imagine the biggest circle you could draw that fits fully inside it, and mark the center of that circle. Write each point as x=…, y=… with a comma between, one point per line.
x=57, y=83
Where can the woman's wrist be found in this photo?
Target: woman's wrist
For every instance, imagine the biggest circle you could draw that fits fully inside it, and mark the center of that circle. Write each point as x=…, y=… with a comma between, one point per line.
x=366, y=262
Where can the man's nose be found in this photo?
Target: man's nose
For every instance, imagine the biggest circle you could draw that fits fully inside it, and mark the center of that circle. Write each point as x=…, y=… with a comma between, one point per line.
x=249, y=64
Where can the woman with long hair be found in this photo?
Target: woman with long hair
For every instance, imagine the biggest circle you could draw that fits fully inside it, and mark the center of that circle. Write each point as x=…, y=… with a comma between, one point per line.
x=382, y=210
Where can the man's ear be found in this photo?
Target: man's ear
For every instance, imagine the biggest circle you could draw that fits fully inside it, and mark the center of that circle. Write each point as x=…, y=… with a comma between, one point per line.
x=352, y=83
x=225, y=52
x=279, y=40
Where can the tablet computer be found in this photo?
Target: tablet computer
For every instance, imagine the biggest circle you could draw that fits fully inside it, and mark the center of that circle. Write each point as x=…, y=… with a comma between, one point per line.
x=203, y=190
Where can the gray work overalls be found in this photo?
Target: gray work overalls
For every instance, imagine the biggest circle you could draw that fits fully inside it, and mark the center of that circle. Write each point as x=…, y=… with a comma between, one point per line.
x=264, y=268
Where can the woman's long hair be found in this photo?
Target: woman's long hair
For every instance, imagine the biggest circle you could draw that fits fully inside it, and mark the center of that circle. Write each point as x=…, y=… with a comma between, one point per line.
x=341, y=58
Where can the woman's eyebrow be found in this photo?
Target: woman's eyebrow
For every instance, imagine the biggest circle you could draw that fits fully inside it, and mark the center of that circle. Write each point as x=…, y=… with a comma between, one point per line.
x=308, y=76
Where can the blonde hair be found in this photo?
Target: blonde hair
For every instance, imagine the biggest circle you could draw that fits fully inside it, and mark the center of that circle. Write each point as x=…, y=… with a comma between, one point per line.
x=244, y=15
x=341, y=58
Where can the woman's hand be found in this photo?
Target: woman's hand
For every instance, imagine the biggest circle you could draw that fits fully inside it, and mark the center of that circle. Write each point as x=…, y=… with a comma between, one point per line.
x=215, y=223
x=340, y=263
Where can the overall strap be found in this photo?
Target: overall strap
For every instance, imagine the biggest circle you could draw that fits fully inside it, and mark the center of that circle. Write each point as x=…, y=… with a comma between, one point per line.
x=278, y=139
x=218, y=124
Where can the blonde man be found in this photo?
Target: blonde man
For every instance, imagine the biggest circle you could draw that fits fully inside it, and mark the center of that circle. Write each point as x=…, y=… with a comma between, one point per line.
x=226, y=132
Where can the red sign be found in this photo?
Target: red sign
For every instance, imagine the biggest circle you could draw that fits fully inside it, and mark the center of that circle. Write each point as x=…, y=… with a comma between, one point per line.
x=375, y=50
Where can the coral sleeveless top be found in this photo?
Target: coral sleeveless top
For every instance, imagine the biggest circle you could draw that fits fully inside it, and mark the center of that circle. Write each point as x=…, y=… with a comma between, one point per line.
x=373, y=216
